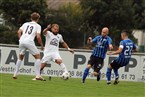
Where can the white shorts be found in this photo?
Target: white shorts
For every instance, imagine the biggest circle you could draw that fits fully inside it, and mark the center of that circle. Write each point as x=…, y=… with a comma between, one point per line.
x=31, y=47
x=47, y=58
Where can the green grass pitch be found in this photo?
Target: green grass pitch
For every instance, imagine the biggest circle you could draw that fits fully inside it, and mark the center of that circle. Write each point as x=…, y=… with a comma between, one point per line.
x=25, y=87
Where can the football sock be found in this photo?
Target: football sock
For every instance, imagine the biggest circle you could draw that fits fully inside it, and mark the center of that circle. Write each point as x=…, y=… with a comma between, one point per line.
x=86, y=72
x=18, y=64
x=116, y=72
x=41, y=71
x=108, y=74
x=99, y=76
x=37, y=67
x=63, y=67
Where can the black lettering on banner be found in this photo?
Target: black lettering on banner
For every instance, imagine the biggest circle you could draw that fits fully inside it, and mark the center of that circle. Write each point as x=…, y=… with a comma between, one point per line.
x=124, y=76
x=132, y=76
x=143, y=78
x=143, y=71
x=78, y=60
x=79, y=73
x=134, y=64
x=26, y=60
x=41, y=54
x=12, y=57
x=71, y=73
x=144, y=63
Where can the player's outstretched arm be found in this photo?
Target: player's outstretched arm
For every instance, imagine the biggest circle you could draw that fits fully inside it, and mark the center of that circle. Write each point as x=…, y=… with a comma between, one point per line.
x=67, y=47
x=116, y=52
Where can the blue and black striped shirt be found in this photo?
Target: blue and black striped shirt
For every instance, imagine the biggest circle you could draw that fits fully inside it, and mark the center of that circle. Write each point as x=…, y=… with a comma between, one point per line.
x=102, y=44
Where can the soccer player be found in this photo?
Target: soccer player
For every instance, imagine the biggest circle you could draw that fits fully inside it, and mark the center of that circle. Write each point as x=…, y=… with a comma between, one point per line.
x=26, y=34
x=103, y=42
x=125, y=50
x=51, y=51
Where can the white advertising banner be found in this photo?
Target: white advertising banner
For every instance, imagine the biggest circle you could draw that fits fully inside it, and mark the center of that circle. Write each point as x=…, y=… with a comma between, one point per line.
x=76, y=63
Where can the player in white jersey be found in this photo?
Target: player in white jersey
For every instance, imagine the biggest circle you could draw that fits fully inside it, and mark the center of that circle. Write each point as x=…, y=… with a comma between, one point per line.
x=51, y=51
x=26, y=33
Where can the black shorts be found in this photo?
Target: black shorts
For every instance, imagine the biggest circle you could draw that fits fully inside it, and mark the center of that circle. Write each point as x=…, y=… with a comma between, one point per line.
x=96, y=63
x=115, y=65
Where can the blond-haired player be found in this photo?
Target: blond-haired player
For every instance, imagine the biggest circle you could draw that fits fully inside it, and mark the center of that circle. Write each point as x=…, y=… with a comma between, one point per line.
x=26, y=33
x=51, y=51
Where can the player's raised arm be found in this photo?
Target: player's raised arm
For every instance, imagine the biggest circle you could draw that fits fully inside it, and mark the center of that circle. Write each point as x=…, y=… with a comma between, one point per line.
x=89, y=41
x=46, y=29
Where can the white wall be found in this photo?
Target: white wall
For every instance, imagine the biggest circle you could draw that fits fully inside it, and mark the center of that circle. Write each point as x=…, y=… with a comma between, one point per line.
x=76, y=63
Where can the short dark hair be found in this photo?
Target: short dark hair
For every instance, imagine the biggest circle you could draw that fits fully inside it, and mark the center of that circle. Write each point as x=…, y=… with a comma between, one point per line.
x=125, y=32
x=35, y=16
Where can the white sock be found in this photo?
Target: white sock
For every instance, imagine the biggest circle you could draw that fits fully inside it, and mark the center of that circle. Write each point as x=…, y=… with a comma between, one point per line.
x=37, y=67
x=18, y=64
x=63, y=67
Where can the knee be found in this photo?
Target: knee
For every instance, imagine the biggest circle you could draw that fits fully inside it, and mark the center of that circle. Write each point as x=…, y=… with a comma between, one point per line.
x=95, y=73
x=37, y=56
x=21, y=57
x=58, y=61
x=89, y=66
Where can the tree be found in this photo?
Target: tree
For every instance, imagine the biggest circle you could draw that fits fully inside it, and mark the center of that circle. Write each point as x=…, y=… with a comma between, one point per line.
x=115, y=14
x=7, y=36
x=70, y=17
x=139, y=13
x=18, y=11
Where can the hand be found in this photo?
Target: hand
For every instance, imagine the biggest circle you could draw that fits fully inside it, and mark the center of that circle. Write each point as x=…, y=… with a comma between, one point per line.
x=49, y=26
x=71, y=50
x=110, y=46
x=89, y=40
x=109, y=53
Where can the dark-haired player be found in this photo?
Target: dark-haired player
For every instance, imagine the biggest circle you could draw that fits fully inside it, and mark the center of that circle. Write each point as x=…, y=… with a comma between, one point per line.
x=125, y=50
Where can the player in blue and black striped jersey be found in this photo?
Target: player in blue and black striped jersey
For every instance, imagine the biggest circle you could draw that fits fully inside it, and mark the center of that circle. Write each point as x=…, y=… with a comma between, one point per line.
x=103, y=42
x=125, y=50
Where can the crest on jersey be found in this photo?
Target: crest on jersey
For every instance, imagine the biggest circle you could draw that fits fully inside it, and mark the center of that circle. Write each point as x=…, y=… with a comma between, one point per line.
x=54, y=42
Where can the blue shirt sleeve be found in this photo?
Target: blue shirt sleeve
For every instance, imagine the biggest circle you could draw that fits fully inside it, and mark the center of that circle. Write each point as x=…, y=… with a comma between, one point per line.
x=121, y=43
x=109, y=40
x=95, y=39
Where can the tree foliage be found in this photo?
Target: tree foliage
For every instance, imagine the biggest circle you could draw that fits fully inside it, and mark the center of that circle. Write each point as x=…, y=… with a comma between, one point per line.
x=70, y=17
x=78, y=21
x=18, y=11
x=116, y=14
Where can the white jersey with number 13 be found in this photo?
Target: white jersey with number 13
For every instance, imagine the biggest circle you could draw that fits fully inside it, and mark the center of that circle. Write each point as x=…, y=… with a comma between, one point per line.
x=30, y=29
